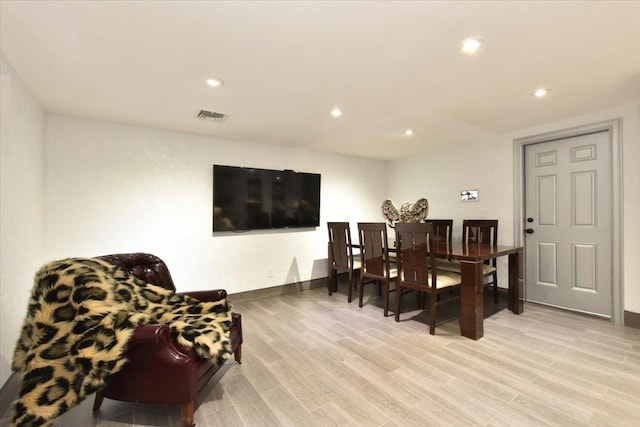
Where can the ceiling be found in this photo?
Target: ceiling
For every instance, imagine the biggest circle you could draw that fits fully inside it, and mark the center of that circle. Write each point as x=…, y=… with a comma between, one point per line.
x=388, y=65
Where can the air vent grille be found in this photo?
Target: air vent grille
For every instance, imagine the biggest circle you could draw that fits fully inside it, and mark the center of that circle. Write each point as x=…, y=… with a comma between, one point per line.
x=211, y=115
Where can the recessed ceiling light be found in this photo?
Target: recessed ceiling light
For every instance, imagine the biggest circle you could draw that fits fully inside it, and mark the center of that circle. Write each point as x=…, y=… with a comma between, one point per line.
x=409, y=132
x=214, y=82
x=540, y=93
x=336, y=112
x=470, y=45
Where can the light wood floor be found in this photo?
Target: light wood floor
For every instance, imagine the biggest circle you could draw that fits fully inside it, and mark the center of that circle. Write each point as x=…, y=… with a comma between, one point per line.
x=314, y=360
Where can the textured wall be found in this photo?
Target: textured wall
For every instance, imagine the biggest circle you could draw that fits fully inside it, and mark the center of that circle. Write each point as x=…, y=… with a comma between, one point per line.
x=117, y=188
x=22, y=205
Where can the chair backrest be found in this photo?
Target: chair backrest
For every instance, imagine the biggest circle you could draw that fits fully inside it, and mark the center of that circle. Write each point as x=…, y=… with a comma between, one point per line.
x=146, y=267
x=340, y=244
x=374, y=247
x=483, y=231
x=442, y=229
x=416, y=259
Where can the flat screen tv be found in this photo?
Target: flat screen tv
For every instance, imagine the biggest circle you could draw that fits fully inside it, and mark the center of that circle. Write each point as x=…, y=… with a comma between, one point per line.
x=257, y=199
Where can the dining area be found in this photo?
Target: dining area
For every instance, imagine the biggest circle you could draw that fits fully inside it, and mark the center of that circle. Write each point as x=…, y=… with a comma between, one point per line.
x=418, y=264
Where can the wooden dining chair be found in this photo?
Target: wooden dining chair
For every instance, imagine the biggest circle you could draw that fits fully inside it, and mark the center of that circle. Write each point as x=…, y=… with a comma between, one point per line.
x=341, y=258
x=442, y=229
x=483, y=231
x=417, y=268
x=443, y=232
x=474, y=231
x=376, y=264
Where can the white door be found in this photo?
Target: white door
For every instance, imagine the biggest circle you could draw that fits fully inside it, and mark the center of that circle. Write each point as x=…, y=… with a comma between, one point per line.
x=568, y=220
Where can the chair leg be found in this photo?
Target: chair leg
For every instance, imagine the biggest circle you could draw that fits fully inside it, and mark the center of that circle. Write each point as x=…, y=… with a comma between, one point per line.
x=350, y=286
x=432, y=314
x=360, y=291
x=398, y=296
x=495, y=286
x=237, y=354
x=332, y=284
x=385, y=297
x=187, y=411
x=97, y=403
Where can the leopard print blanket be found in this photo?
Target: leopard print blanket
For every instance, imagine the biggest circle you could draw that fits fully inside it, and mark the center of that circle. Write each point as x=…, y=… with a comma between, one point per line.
x=80, y=316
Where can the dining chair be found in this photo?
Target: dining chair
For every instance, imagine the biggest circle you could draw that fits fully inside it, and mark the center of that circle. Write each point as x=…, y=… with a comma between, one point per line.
x=483, y=231
x=341, y=257
x=442, y=229
x=442, y=232
x=417, y=268
x=376, y=263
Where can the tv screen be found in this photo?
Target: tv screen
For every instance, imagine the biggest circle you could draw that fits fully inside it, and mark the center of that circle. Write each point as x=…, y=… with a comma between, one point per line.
x=258, y=199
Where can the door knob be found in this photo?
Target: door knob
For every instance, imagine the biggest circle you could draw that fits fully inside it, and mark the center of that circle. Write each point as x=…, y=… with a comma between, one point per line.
x=529, y=219
x=529, y=231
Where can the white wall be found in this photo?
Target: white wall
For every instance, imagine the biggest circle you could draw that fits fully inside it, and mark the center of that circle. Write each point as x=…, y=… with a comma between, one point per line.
x=488, y=166
x=21, y=205
x=441, y=174
x=113, y=188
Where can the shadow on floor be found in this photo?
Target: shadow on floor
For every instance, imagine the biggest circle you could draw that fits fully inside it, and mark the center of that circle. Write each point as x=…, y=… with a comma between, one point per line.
x=409, y=302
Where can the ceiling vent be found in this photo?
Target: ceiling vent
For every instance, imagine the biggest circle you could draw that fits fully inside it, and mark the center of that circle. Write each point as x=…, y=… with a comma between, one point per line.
x=211, y=115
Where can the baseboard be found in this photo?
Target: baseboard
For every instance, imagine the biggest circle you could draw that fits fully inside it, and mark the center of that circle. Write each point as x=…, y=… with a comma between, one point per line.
x=632, y=319
x=9, y=393
x=290, y=288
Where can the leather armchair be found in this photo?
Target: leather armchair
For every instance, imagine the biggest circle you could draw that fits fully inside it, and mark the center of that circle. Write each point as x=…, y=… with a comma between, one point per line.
x=160, y=371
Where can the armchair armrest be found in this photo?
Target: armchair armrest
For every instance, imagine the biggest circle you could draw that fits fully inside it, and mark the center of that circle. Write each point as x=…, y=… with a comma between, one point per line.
x=206, y=296
x=158, y=370
x=153, y=343
x=153, y=333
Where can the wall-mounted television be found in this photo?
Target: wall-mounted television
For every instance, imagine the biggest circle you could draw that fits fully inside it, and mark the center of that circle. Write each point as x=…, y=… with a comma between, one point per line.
x=258, y=199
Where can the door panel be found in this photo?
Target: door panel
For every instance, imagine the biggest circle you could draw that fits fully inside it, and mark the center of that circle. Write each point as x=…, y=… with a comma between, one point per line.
x=583, y=206
x=584, y=267
x=547, y=200
x=547, y=267
x=568, y=255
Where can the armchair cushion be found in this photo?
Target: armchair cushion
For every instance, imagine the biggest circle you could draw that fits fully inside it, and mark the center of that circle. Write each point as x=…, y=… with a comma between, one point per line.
x=84, y=313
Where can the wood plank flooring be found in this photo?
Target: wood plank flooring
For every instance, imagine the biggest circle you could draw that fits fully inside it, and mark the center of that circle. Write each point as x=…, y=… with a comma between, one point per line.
x=310, y=359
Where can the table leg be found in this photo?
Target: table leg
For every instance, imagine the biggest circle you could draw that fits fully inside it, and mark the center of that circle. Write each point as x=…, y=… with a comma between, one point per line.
x=330, y=273
x=471, y=300
x=515, y=297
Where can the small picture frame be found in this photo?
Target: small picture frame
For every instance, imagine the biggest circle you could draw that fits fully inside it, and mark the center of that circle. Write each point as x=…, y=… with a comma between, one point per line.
x=469, y=196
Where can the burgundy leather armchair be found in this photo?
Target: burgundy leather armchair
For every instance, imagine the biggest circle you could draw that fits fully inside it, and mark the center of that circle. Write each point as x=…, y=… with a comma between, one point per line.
x=159, y=371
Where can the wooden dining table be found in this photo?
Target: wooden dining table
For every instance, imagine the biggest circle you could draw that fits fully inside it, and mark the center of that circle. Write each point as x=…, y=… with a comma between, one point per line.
x=471, y=258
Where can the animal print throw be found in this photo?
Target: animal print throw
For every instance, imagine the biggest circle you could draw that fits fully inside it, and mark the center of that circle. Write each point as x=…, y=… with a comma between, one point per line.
x=80, y=316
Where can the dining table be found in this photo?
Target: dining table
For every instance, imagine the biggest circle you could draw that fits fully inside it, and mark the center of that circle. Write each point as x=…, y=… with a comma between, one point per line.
x=472, y=257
